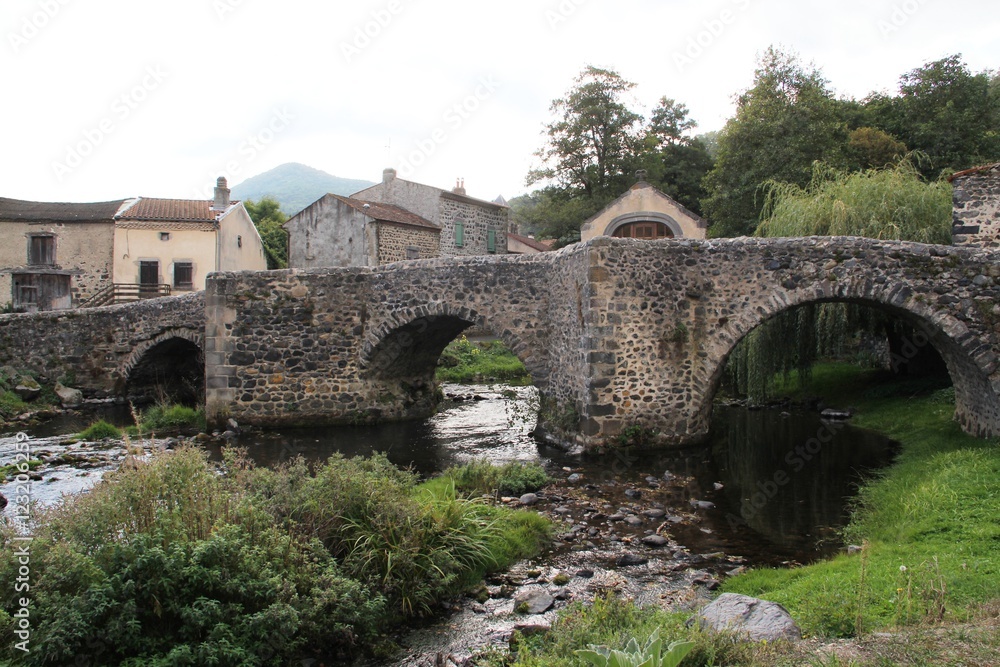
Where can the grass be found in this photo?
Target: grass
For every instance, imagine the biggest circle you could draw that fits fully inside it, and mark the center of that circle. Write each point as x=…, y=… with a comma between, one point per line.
x=100, y=430
x=181, y=561
x=165, y=417
x=483, y=478
x=465, y=362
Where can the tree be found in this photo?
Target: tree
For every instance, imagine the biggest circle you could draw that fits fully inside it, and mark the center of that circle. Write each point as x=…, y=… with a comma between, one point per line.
x=871, y=148
x=786, y=121
x=946, y=112
x=268, y=218
x=593, y=143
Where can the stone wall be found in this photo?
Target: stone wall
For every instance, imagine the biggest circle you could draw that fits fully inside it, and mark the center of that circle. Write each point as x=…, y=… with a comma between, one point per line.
x=97, y=347
x=329, y=233
x=395, y=242
x=977, y=207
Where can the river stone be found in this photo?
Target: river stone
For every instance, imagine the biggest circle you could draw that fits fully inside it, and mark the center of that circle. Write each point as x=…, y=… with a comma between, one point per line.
x=655, y=541
x=27, y=389
x=585, y=574
x=533, y=602
x=757, y=619
x=835, y=414
x=702, y=504
x=626, y=560
x=633, y=520
x=654, y=514
x=574, y=478
x=71, y=398
x=528, y=499
x=618, y=516
x=633, y=493
x=562, y=509
x=528, y=629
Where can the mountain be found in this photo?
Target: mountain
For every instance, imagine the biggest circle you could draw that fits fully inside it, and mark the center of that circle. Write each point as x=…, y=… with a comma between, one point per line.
x=295, y=186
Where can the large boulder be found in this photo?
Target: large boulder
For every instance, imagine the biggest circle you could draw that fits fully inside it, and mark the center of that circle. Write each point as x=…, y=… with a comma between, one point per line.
x=533, y=602
x=754, y=619
x=70, y=398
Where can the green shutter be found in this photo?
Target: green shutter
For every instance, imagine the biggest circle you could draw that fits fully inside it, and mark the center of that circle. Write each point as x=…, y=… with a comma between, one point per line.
x=491, y=241
x=459, y=234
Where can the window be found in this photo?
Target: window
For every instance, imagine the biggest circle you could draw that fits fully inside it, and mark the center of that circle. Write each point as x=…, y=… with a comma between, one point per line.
x=41, y=250
x=413, y=252
x=164, y=236
x=183, y=275
x=491, y=241
x=459, y=234
x=644, y=230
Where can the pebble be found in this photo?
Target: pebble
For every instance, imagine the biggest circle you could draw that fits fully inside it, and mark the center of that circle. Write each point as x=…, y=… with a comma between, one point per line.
x=562, y=509
x=655, y=541
x=633, y=520
x=654, y=514
x=633, y=493
x=626, y=560
x=585, y=574
x=574, y=478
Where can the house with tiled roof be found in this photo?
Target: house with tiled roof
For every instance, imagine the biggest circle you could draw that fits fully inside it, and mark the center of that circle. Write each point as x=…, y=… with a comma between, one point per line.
x=346, y=231
x=56, y=255
x=171, y=245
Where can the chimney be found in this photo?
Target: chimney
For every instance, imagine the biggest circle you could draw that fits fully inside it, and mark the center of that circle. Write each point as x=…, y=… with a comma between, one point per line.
x=221, y=195
x=388, y=175
x=459, y=187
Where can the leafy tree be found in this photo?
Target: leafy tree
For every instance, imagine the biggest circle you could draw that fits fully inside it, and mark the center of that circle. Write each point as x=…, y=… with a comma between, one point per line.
x=871, y=148
x=268, y=218
x=595, y=137
x=593, y=148
x=945, y=111
x=787, y=120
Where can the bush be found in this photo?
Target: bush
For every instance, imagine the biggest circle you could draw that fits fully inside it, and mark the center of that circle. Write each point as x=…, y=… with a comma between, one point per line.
x=100, y=430
x=468, y=363
x=177, y=561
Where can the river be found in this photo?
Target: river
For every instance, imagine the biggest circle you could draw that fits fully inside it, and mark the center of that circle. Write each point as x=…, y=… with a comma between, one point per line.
x=767, y=488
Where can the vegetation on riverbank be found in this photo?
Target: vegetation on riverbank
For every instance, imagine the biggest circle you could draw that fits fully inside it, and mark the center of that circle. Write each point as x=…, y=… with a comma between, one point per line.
x=929, y=569
x=180, y=561
x=466, y=362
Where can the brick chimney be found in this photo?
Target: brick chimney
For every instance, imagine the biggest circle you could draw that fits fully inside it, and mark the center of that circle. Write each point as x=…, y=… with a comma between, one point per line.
x=388, y=175
x=459, y=187
x=221, y=195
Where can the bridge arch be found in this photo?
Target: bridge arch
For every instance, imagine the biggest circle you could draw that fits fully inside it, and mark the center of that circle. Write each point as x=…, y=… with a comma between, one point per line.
x=972, y=366
x=408, y=342
x=172, y=361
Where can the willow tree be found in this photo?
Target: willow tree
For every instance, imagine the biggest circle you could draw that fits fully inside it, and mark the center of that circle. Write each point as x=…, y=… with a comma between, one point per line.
x=889, y=204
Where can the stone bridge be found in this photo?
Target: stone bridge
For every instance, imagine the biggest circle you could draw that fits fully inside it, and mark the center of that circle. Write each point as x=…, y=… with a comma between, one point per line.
x=615, y=332
x=113, y=350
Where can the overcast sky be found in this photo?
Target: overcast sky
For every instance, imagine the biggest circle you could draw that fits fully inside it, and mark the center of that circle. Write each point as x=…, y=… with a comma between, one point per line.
x=104, y=99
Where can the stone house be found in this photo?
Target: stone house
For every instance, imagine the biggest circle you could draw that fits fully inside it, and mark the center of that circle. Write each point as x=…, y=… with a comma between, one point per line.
x=976, y=206
x=644, y=212
x=171, y=245
x=62, y=255
x=53, y=255
x=344, y=231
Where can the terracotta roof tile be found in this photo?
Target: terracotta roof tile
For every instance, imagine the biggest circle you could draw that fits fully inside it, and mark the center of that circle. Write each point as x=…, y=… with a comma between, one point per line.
x=387, y=212
x=183, y=210
x=531, y=243
x=168, y=225
x=33, y=211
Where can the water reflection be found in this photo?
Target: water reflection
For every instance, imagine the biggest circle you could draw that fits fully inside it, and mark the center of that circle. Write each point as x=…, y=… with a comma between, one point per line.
x=789, y=477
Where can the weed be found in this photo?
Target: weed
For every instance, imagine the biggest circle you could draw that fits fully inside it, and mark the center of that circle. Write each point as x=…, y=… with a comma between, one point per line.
x=100, y=430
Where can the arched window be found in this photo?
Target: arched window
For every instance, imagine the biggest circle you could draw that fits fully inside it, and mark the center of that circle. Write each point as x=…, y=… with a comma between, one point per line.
x=644, y=229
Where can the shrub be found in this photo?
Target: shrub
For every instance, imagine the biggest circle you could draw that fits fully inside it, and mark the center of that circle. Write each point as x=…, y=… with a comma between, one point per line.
x=481, y=477
x=100, y=430
x=163, y=417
